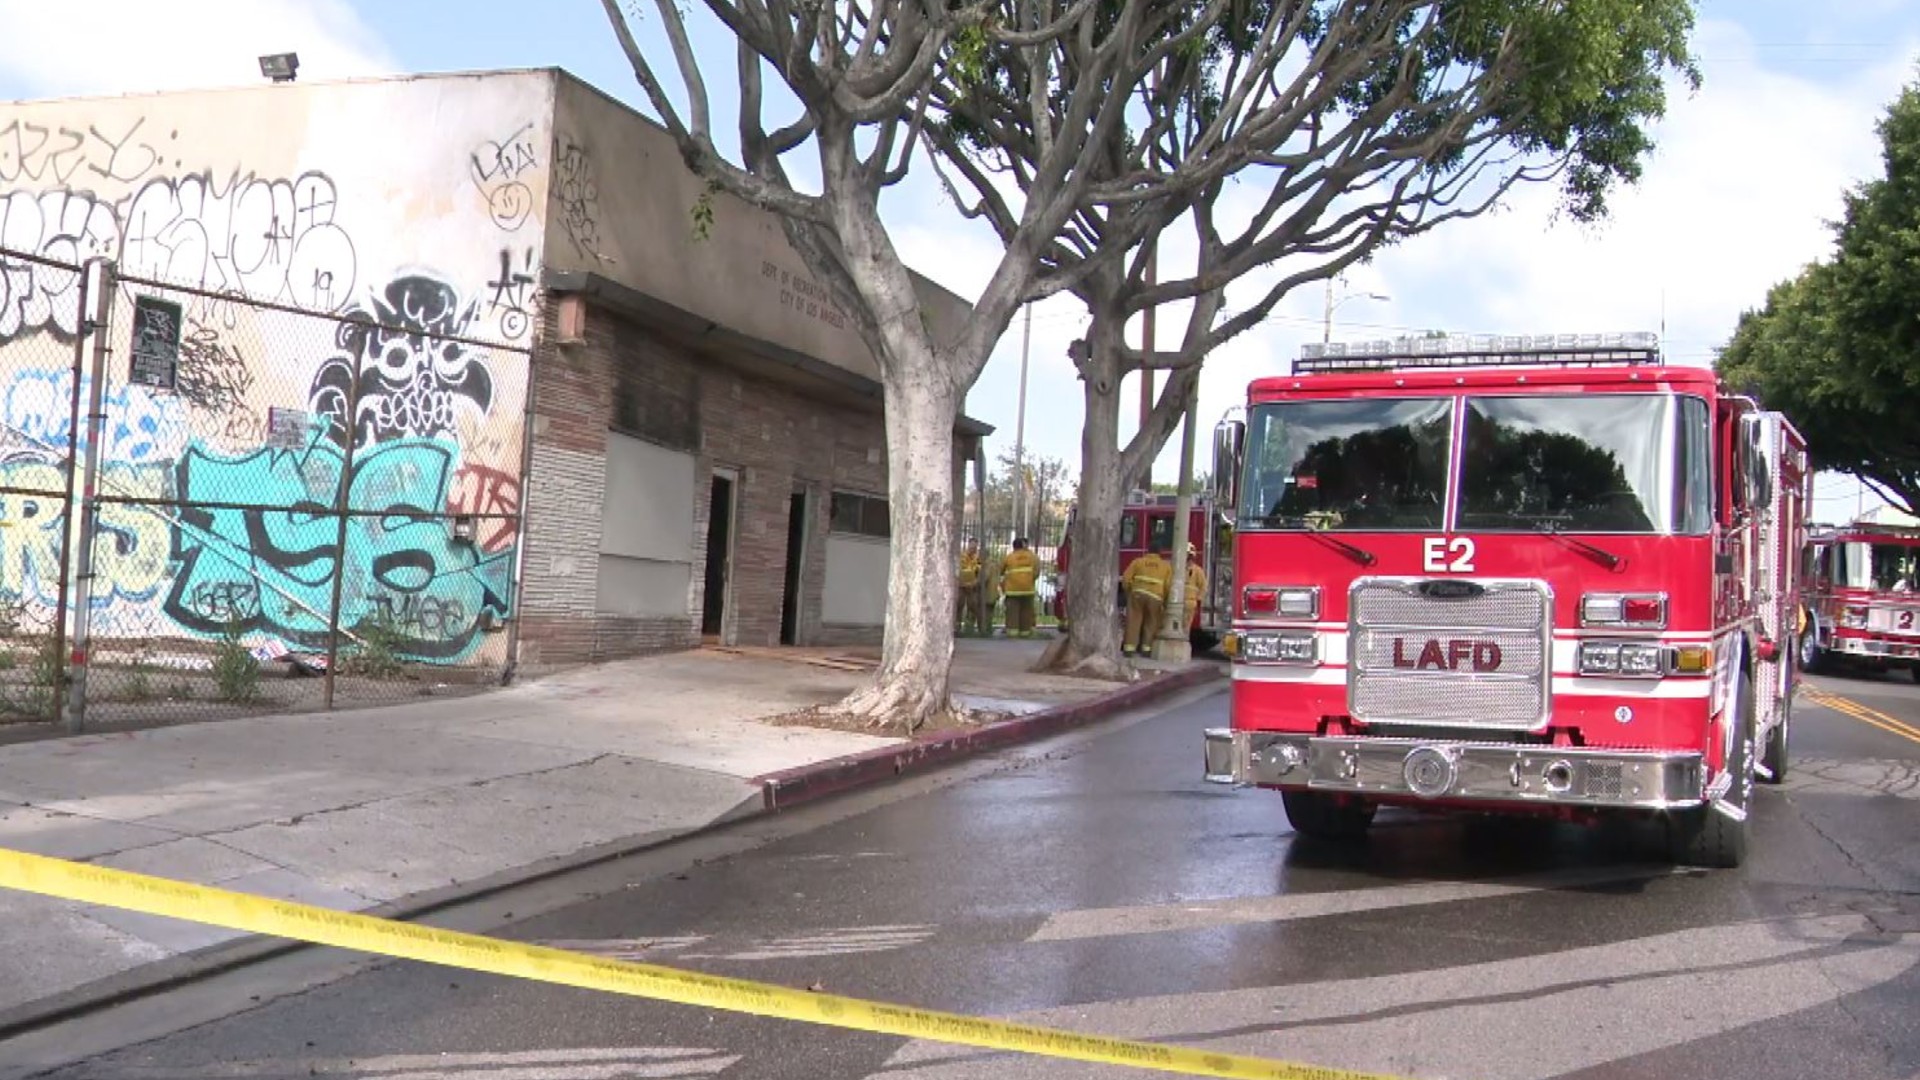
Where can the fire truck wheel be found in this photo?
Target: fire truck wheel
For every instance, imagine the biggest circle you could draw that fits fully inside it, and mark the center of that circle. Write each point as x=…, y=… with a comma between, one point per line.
x=1714, y=836
x=1774, y=755
x=1812, y=656
x=1320, y=816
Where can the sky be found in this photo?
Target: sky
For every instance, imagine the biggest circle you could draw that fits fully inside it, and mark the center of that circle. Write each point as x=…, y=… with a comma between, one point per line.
x=1747, y=173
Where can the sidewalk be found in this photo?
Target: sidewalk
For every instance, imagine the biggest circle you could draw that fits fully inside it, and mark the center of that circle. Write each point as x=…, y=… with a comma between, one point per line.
x=391, y=808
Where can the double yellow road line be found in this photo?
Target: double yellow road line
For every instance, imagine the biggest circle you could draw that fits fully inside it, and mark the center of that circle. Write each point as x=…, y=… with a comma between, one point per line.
x=1892, y=725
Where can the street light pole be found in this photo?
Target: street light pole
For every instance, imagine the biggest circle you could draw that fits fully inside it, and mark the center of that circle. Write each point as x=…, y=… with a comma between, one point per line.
x=1020, y=432
x=1326, y=318
x=1174, y=645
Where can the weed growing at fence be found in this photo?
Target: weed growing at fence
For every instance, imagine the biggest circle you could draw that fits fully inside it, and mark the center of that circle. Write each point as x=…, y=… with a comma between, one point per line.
x=236, y=674
x=139, y=684
x=378, y=654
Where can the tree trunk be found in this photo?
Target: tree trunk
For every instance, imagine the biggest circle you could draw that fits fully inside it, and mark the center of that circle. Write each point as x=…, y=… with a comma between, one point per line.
x=1093, y=632
x=910, y=688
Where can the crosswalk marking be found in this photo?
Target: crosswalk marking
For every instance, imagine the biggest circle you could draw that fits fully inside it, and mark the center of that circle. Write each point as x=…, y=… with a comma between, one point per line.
x=832, y=943
x=585, y=1063
x=836, y=942
x=1228, y=911
x=1485, y=1020
x=624, y=948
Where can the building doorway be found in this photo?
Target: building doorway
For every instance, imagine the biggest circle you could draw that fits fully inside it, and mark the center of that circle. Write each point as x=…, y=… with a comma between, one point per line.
x=796, y=558
x=720, y=513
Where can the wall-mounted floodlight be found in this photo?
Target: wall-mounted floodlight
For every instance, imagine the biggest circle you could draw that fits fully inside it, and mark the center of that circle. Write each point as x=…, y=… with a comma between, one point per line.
x=280, y=67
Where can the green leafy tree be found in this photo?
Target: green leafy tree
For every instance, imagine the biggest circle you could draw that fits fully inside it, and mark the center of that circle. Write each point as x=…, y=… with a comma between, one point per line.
x=1047, y=480
x=1837, y=348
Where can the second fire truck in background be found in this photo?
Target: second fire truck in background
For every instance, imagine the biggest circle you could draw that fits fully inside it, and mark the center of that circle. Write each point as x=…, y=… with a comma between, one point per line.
x=1146, y=523
x=1860, y=598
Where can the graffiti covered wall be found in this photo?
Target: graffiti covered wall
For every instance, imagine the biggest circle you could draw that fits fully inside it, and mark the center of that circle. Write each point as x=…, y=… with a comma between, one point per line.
x=402, y=215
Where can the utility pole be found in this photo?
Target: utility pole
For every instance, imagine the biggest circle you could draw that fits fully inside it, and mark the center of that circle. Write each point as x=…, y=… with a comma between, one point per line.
x=1146, y=373
x=1020, y=432
x=1174, y=645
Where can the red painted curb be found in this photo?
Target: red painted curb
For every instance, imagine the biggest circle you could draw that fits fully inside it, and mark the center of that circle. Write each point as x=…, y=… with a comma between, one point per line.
x=791, y=787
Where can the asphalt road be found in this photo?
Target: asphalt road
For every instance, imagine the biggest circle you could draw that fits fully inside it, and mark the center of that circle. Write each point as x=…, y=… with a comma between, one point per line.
x=1096, y=883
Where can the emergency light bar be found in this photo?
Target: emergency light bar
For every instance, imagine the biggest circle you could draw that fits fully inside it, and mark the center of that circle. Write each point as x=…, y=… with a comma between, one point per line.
x=1479, y=350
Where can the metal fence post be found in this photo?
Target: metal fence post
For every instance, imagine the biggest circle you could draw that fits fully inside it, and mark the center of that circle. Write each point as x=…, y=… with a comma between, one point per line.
x=343, y=506
x=512, y=665
x=56, y=701
x=89, y=507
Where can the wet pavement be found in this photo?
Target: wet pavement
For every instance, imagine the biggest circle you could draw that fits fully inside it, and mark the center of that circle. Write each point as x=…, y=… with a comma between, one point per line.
x=1096, y=883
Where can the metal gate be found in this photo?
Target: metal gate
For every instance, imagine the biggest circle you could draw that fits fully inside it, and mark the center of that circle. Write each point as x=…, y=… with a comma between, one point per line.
x=211, y=505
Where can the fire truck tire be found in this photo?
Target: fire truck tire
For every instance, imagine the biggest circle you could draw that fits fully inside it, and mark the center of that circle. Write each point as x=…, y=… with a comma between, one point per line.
x=1708, y=836
x=1812, y=656
x=1774, y=755
x=1202, y=640
x=1320, y=816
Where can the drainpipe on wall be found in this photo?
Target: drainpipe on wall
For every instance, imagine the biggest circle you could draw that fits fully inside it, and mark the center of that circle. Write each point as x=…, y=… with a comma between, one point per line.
x=574, y=329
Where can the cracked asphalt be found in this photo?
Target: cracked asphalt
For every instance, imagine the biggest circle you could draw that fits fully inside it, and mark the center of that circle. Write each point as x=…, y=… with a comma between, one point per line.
x=1096, y=883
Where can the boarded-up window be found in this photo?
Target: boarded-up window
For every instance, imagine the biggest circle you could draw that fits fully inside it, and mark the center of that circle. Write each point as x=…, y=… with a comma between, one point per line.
x=856, y=585
x=859, y=515
x=646, y=529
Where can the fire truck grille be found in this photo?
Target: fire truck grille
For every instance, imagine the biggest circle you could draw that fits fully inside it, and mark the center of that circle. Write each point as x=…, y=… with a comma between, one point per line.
x=1606, y=780
x=1418, y=655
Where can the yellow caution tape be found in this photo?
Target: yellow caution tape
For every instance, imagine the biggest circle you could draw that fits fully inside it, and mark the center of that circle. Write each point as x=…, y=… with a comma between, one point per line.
x=383, y=937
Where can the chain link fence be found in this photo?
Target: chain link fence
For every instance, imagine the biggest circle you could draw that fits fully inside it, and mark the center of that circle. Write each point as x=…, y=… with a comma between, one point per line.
x=1043, y=536
x=277, y=510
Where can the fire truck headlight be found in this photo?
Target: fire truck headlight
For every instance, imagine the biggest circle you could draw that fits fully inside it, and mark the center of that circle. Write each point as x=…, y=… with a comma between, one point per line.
x=1642, y=661
x=1599, y=659
x=1270, y=647
x=1633, y=660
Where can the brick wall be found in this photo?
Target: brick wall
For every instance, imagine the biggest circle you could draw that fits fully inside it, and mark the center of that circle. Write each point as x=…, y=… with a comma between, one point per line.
x=775, y=438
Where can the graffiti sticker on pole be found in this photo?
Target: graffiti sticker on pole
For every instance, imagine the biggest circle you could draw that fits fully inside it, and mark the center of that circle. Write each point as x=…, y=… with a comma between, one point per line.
x=287, y=428
x=156, y=342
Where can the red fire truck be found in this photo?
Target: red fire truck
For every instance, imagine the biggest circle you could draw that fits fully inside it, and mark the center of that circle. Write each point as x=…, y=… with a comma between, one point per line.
x=1861, y=604
x=1147, y=521
x=1546, y=575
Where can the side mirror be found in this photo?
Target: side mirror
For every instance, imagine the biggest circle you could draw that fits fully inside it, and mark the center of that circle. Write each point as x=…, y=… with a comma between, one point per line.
x=1229, y=437
x=1758, y=471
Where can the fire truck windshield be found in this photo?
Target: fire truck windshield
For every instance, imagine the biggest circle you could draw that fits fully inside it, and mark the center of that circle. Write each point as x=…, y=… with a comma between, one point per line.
x=1612, y=463
x=1886, y=566
x=1615, y=463
x=1362, y=464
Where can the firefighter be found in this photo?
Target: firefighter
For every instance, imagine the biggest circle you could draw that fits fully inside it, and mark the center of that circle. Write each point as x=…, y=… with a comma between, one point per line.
x=1145, y=581
x=1017, y=573
x=1196, y=587
x=967, y=607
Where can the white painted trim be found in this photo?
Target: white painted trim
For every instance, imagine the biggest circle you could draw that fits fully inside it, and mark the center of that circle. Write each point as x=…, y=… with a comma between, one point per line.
x=1281, y=673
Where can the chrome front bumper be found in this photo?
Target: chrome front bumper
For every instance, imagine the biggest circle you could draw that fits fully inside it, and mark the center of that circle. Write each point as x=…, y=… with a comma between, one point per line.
x=1464, y=771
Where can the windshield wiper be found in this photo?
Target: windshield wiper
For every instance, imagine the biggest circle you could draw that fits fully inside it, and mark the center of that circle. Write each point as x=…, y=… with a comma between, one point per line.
x=1359, y=555
x=1598, y=554
x=1304, y=523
